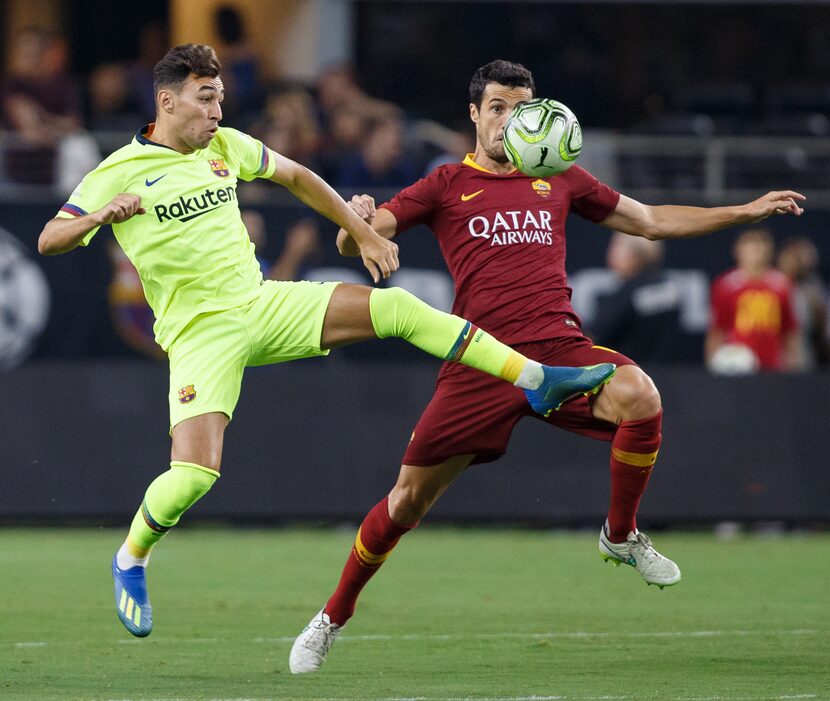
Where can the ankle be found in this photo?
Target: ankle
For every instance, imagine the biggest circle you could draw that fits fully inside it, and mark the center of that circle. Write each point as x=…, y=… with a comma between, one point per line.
x=125, y=559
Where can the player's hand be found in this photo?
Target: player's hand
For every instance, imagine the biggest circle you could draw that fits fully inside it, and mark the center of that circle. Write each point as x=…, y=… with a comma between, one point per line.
x=364, y=207
x=380, y=256
x=779, y=202
x=120, y=208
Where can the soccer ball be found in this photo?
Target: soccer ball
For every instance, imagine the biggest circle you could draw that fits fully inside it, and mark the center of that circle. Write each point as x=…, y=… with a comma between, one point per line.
x=542, y=138
x=734, y=359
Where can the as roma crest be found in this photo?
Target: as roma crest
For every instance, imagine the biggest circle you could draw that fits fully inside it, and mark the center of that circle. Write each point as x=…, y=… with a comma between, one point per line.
x=542, y=187
x=220, y=170
x=187, y=394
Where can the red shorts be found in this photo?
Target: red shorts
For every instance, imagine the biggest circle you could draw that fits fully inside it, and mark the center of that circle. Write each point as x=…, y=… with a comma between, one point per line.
x=472, y=413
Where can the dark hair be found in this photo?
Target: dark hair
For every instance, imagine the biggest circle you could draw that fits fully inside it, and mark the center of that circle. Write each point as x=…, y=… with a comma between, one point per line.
x=513, y=75
x=183, y=61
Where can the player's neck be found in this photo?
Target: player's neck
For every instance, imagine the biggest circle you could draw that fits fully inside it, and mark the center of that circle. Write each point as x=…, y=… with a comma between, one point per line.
x=484, y=161
x=161, y=133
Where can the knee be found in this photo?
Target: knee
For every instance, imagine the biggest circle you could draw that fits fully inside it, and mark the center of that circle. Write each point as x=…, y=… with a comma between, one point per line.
x=385, y=304
x=633, y=394
x=204, y=456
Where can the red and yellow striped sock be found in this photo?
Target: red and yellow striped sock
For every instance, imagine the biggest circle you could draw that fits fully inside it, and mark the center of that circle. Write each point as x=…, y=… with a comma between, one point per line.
x=376, y=538
x=633, y=454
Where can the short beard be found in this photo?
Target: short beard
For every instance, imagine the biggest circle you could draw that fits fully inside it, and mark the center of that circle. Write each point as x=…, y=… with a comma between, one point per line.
x=496, y=156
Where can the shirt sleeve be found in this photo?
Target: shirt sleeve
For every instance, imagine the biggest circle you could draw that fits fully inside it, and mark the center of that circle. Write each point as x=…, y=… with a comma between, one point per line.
x=592, y=199
x=415, y=204
x=252, y=158
x=96, y=190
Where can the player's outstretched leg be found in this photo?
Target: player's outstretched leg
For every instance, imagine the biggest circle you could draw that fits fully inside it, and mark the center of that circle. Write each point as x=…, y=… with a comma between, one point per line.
x=562, y=384
x=312, y=645
x=638, y=552
x=396, y=312
x=166, y=499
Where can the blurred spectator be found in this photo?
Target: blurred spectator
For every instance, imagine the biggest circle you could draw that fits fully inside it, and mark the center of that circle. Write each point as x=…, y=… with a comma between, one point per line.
x=302, y=244
x=345, y=113
x=289, y=126
x=41, y=104
x=447, y=145
x=798, y=259
x=343, y=139
x=152, y=45
x=382, y=160
x=111, y=104
x=121, y=95
x=240, y=66
x=338, y=89
x=752, y=308
x=641, y=318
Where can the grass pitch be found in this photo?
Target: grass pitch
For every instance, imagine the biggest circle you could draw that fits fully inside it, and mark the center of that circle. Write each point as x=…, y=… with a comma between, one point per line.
x=455, y=614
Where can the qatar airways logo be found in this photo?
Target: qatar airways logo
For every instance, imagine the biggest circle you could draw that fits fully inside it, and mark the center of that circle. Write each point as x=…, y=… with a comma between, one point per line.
x=512, y=227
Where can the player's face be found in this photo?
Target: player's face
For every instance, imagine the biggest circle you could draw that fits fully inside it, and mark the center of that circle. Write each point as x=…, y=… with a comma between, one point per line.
x=496, y=104
x=197, y=111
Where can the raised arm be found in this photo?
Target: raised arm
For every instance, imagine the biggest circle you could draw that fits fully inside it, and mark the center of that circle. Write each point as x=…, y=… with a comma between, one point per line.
x=63, y=235
x=381, y=220
x=379, y=255
x=677, y=221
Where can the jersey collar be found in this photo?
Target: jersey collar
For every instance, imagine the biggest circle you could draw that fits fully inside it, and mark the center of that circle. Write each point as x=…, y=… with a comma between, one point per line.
x=143, y=136
x=468, y=161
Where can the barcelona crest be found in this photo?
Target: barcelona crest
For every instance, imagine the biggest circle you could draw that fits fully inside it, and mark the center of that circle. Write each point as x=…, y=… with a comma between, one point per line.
x=542, y=187
x=220, y=170
x=187, y=394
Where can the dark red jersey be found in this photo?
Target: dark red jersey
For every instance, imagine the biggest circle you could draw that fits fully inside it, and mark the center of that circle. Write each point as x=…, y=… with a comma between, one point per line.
x=503, y=238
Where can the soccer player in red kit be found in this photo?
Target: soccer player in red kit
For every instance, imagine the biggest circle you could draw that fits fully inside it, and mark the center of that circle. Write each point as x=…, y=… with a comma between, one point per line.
x=502, y=235
x=752, y=305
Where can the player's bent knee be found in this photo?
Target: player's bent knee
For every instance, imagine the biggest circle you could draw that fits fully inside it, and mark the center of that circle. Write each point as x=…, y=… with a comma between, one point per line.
x=634, y=394
x=385, y=306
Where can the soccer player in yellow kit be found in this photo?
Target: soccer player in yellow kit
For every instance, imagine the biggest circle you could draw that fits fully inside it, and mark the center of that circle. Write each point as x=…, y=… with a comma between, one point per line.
x=170, y=196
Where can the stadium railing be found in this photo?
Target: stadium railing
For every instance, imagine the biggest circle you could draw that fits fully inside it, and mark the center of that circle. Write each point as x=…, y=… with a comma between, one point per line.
x=654, y=168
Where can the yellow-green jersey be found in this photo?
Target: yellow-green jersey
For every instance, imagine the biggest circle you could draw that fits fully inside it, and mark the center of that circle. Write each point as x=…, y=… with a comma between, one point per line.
x=190, y=248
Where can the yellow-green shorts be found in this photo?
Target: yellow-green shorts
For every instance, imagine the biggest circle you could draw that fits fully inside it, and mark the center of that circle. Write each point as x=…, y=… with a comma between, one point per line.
x=207, y=359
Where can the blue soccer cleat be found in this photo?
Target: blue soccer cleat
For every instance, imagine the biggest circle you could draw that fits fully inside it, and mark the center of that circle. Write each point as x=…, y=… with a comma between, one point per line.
x=562, y=384
x=131, y=601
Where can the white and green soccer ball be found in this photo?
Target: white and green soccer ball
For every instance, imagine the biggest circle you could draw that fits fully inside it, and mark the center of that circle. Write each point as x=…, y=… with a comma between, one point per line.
x=542, y=137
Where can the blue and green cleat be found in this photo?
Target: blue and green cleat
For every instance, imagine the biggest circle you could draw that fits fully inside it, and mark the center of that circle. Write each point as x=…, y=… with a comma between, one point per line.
x=561, y=384
x=131, y=601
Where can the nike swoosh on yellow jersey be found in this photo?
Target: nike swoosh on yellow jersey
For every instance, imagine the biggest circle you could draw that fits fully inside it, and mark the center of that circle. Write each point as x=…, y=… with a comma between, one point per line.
x=464, y=198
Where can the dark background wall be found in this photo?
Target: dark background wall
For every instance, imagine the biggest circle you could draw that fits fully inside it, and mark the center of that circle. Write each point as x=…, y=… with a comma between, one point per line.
x=321, y=440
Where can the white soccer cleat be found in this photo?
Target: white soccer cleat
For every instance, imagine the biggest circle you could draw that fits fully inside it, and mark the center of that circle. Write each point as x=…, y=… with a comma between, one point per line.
x=312, y=645
x=638, y=552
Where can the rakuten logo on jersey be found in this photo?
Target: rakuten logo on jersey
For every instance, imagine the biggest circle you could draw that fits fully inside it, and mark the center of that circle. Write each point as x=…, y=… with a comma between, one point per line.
x=512, y=227
x=187, y=208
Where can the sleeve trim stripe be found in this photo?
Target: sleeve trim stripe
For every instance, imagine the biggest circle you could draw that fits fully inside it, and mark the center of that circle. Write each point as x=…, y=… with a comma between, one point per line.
x=264, y=161
x=74, y=210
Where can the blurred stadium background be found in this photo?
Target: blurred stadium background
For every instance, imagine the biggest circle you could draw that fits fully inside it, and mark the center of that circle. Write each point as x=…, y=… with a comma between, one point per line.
x=698, y=102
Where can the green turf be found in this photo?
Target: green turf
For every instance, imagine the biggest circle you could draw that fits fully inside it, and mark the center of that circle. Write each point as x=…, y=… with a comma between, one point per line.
x=456, y=614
